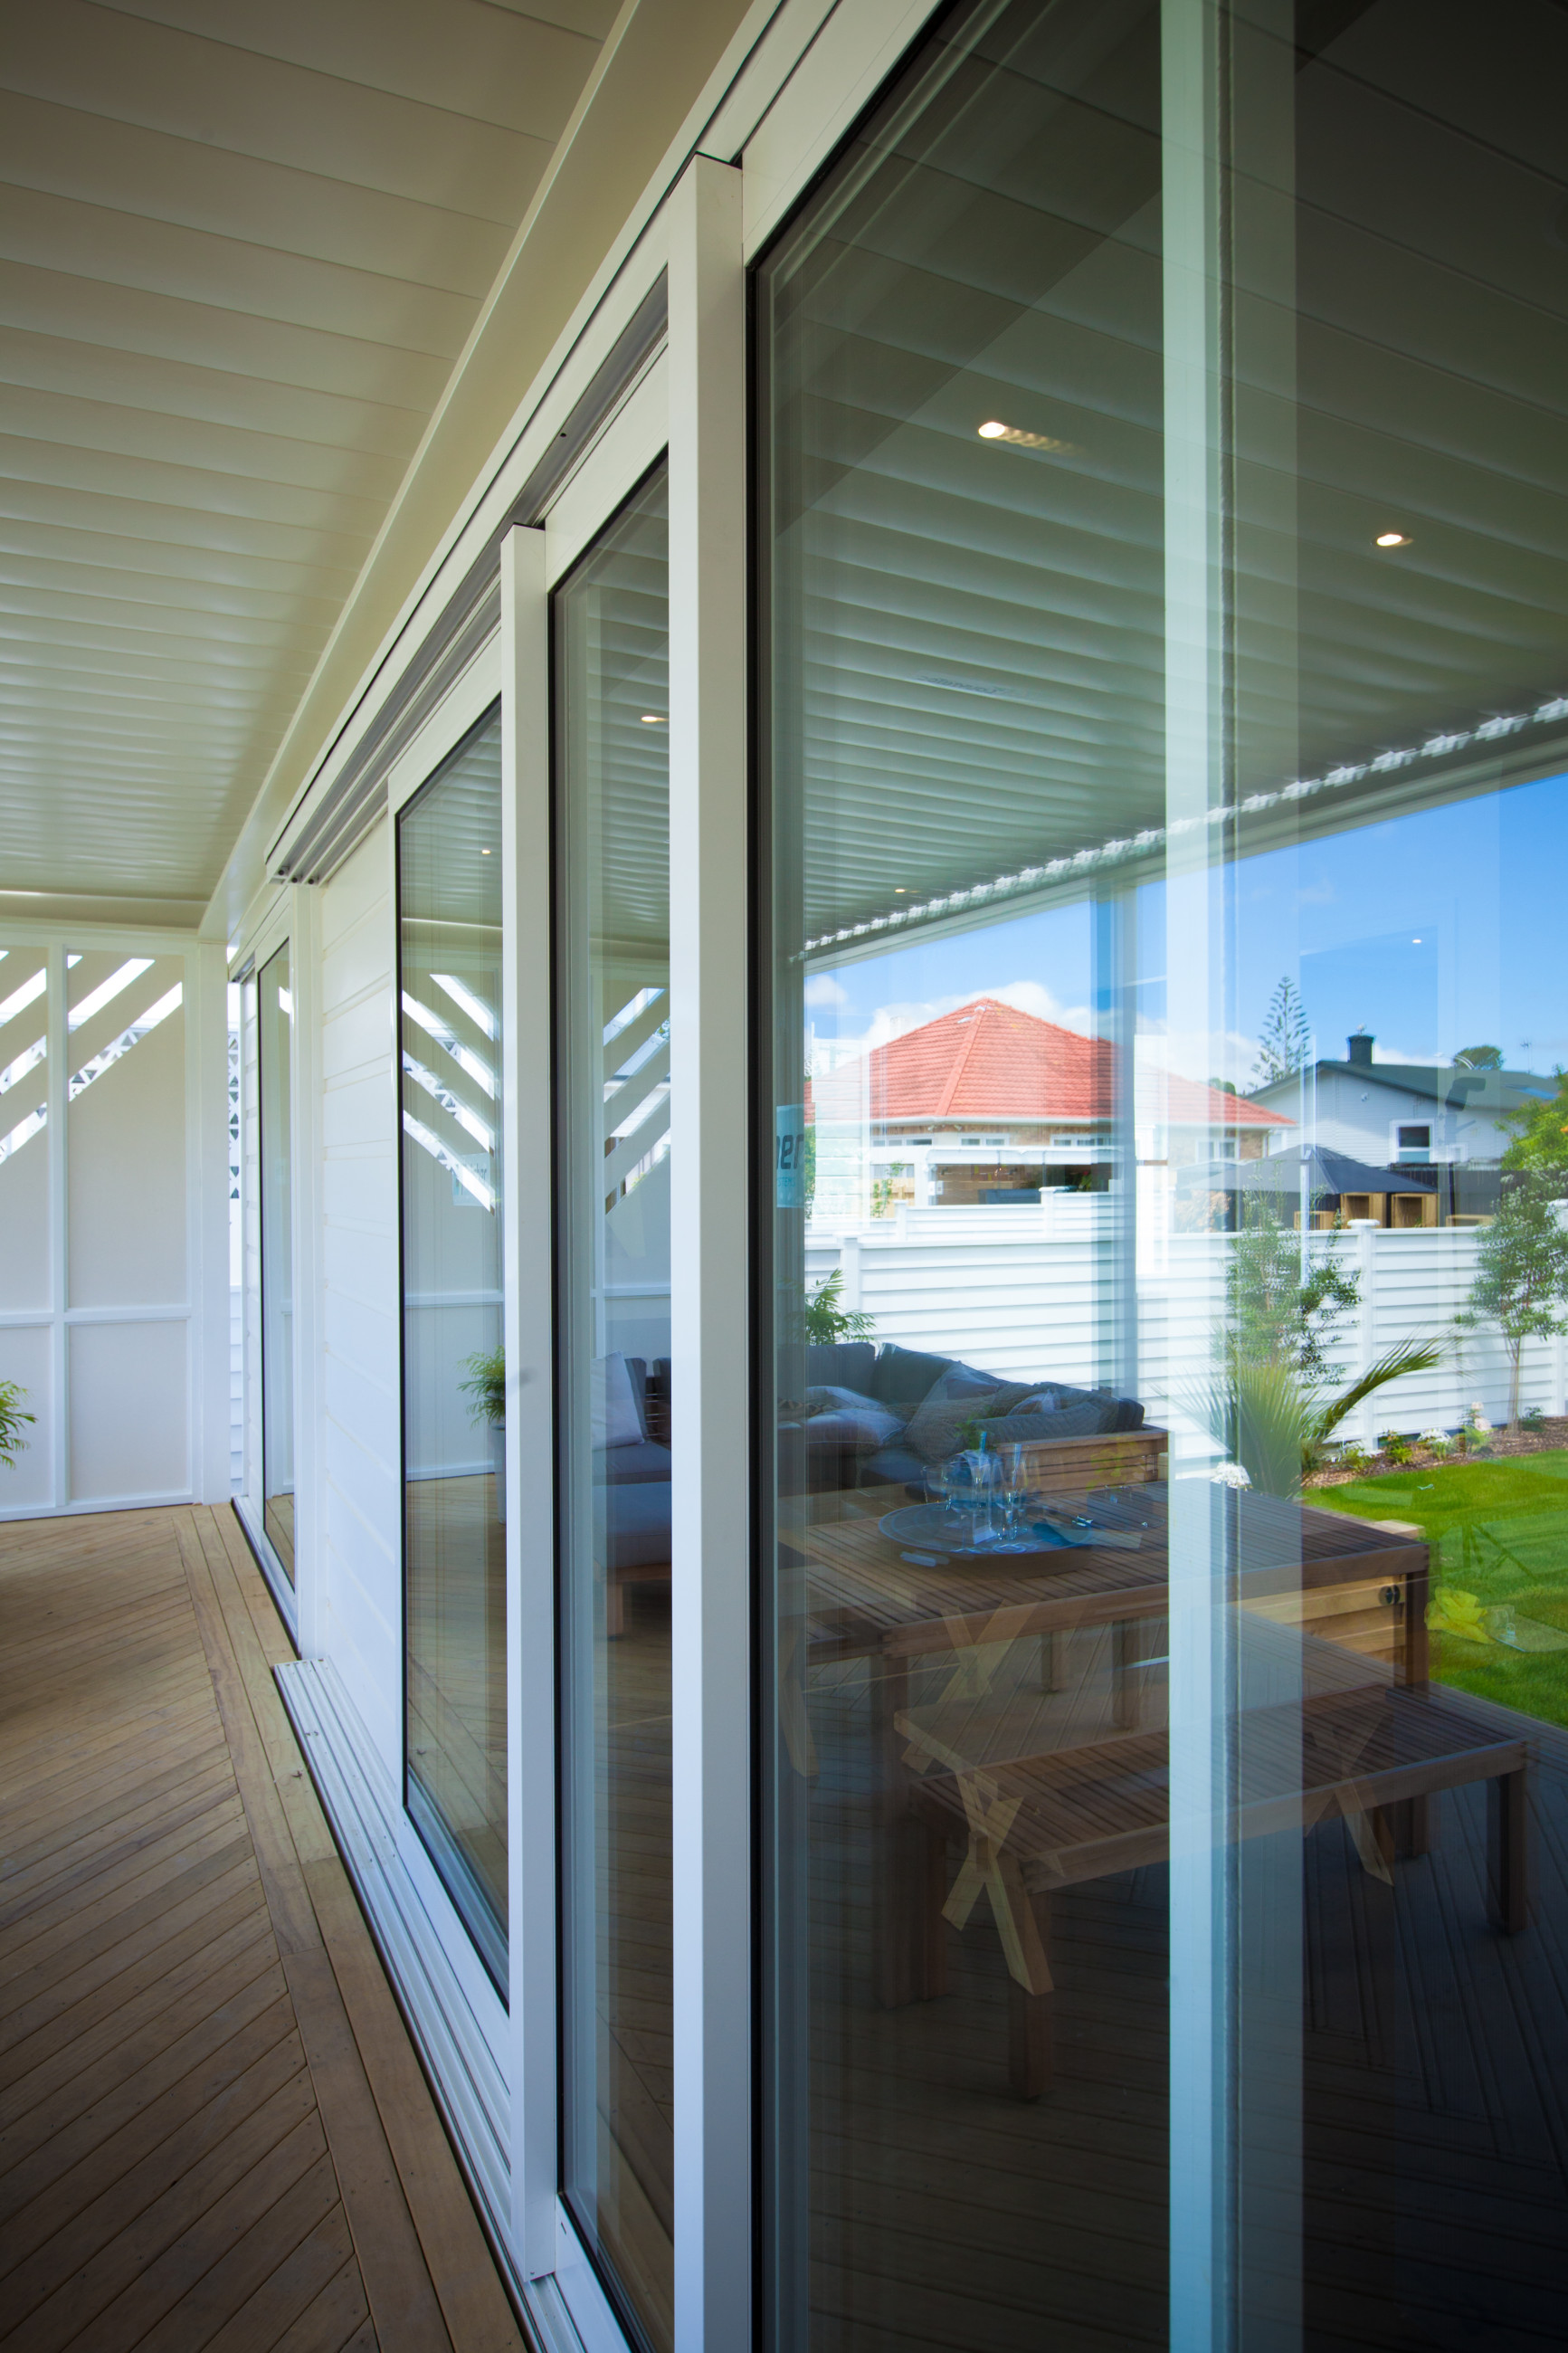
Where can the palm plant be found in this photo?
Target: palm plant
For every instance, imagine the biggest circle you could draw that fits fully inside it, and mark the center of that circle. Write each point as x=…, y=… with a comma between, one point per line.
x=12, y=1418
x=827, y=1319
x=1276, y=1424
x=486, y=1386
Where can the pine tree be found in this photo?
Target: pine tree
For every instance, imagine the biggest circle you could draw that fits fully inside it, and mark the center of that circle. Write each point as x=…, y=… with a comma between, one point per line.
x=1286, y=1041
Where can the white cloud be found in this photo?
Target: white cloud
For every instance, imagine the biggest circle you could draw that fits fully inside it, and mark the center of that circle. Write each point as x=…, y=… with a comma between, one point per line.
x=823, y=989
x=1033, y=996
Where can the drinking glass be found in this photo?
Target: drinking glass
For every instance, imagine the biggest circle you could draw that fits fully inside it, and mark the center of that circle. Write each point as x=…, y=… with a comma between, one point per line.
x=986, y=1488
x=1013, y=1468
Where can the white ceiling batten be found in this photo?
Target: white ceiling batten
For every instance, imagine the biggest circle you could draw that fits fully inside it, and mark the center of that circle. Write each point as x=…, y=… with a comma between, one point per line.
x=241, y=251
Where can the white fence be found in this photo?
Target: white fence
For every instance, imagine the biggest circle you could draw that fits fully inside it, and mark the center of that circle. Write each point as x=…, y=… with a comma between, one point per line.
x=1031, y=1293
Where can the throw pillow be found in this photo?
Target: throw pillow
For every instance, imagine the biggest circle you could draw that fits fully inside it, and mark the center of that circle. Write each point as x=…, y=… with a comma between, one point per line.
x=936, y=1426
x=616, y=1418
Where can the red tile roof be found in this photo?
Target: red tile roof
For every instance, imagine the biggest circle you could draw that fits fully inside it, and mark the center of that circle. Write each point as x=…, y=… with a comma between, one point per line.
x=987, y=1060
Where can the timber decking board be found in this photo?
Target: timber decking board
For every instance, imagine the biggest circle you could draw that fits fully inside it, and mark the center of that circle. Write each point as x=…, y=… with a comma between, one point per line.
x=213, y=2131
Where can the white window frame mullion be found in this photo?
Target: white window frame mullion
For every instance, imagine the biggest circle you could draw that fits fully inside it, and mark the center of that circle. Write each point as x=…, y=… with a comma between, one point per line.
x=1202, y=1945
x=710, y=1264
x=307, y=1207
x=529, y=1329
x=286, y=922
x=57, y=1099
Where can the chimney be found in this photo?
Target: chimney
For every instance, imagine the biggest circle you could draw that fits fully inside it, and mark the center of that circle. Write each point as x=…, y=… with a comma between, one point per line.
x=1359, y=1049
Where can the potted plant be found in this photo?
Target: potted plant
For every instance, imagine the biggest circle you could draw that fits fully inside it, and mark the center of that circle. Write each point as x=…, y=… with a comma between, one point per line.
x=484, y=1389
x=12, y=1418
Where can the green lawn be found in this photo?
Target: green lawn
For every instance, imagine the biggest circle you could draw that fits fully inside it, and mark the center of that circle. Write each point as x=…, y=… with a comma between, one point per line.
x=1499, y=1533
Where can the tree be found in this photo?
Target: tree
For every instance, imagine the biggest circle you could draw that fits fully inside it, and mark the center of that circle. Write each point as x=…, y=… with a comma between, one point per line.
x=1540, y=1146
x=1274, y=1317
x=1522, y=1274
x=1271, y=1406
x=1285, y=1044
x=1478, y=1058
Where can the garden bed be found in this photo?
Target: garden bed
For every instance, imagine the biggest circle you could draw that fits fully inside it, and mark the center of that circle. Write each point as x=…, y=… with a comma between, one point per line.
x=1548, y=1437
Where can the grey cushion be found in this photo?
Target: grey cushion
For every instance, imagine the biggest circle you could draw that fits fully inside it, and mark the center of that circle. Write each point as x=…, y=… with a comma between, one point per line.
x=1090, y=1420
x=841, y=1418
x=631, y=1525
x=631, y=1466
x=842, y=1364
x=892, y=1466
x=903, y=1375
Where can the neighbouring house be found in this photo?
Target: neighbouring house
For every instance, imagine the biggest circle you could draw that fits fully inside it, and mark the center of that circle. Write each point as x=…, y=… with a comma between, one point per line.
x=1415, y=1117
x=989, y=1105
x=1227, y=1194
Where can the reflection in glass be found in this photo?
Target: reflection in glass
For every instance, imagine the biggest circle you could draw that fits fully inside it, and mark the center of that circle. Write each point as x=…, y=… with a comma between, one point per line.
x=275, y=1044
x=450, y=933
x=23, y=1118
x=1165, y=1022
x=125, y=1129
x=613, y=1048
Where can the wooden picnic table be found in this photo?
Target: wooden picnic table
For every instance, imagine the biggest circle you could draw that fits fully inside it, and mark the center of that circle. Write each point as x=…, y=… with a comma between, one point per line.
x=1345, y=1597
x=865, y=1592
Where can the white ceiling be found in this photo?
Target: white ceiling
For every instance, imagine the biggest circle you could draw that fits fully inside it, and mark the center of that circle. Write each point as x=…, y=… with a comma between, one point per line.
x=241, y=248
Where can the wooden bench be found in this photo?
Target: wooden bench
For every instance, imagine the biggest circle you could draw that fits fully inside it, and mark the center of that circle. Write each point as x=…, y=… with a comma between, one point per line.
x=1039, y=1825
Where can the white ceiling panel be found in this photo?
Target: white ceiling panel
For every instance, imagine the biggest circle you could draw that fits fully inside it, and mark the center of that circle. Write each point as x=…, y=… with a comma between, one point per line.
x=240, y=251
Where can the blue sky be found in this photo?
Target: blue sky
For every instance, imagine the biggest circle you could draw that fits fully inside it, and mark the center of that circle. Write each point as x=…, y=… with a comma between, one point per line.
x=1434, y=931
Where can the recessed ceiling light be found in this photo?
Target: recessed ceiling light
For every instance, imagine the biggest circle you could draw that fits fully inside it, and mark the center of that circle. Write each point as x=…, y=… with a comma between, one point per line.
x=484, y=853
x=653, y=719
x=1016, y=438
x=1392, y=539
x=899, y=891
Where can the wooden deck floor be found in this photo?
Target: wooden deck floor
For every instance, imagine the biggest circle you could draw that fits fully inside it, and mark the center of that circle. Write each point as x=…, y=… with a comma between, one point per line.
x=213, y=2130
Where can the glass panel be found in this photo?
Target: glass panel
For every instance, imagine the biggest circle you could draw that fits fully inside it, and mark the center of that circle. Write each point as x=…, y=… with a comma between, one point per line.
x=125, y=1129
x=25, y=1255
x=1166, y=1424
x=235, y=1001
x=612, y=1058
x=449, y=924
x=275, y=1016
x=250, y=1236
x=1385, y=895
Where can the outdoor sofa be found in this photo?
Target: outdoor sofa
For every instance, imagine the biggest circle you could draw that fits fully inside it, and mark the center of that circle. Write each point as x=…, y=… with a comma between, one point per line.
x=868, y=1417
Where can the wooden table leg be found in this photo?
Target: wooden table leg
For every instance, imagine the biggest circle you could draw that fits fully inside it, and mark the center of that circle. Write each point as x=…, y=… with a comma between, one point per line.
x=1031, y=2055
x=1415, y=1827
x=1126, y=1683
x=1508, y=1849
x=899, y=1934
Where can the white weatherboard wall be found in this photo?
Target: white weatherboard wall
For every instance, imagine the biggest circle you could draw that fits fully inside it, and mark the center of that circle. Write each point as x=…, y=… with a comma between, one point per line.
x=358, y=1618
x=1025, y=1292
x=114, y=1296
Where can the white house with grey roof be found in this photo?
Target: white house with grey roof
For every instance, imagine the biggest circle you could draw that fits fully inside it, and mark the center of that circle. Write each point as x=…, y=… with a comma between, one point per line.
x=1408, y=1115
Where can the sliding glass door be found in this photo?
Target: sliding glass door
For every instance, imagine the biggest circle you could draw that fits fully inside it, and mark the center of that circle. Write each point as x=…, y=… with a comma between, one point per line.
x=617, y=1432
x=450, y=938
x=1163, y=1195
x=275, y=1054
